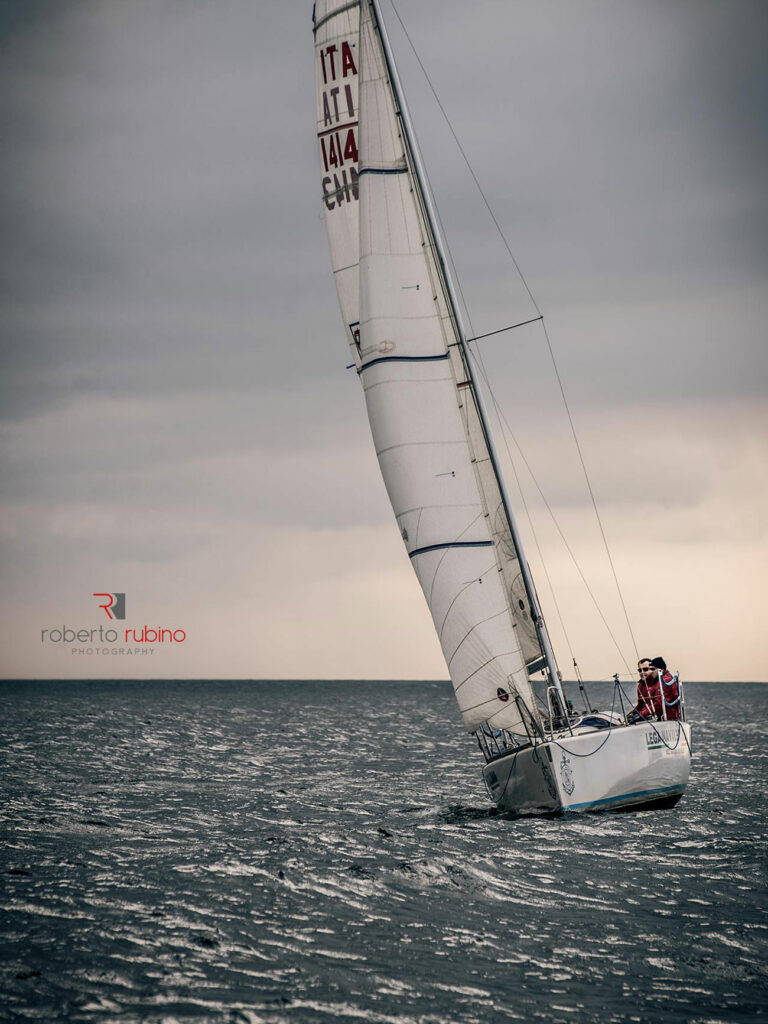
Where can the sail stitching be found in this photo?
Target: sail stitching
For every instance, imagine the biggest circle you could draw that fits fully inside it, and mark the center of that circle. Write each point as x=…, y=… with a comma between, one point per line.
x=491, y=700
x=401, y=380
x=469, y=632
x=504, y=654
x=443, y=556
x=400, y=316
x=458, y=595
x=415, y=444
x=340, y=10
x=421, y=508
x=418, y=523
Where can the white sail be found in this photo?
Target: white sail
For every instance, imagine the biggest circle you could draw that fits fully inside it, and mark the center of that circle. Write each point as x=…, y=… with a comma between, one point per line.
x=437, y=457
x=426, y=429
x=337, y=32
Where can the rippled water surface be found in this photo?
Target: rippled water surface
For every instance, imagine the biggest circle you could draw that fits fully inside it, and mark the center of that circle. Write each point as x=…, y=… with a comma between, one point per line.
x=308, y=852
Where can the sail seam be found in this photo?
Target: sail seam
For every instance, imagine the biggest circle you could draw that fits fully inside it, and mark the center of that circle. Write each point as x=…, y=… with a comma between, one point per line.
x=463, y=533
x=420, y=508
x=416, y=444
x=402, y=380
x=479, y=579
x=458, y=686
x=399, y=316
x=340, y=10
x=453, y=544
x=494, y=698
x=469, y=632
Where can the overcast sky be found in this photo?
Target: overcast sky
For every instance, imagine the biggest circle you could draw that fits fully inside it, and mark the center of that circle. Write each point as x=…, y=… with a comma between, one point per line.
x=177, y=420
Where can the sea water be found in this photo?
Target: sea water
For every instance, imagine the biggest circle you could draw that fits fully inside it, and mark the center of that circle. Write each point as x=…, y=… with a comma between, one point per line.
x=325, y=851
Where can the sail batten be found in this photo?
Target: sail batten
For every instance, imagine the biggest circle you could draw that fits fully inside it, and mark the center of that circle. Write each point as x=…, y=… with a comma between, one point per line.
x=452, y=544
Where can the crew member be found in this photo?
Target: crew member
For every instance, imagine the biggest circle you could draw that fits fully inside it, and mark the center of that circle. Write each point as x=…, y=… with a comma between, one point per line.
x=648, y=694
x=670, y=690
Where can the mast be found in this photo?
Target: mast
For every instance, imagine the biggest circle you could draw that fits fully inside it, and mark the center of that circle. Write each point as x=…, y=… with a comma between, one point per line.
x=412, y=148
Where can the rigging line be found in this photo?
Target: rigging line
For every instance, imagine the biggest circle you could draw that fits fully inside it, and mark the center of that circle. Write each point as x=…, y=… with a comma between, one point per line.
x=528, y=515
x=501, y=330
x=530, y=295
x=573, y=753
x=451, y=267
x=466, y=160
x=591, y=492
x=477, y=355
x=505, y=423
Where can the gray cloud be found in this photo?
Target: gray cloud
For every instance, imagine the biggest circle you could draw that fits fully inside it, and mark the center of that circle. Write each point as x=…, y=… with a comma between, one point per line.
x=173, y=360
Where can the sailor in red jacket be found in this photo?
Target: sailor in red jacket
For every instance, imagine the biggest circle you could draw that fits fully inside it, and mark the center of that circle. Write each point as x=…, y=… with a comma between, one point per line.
x=658, y=693
x=648, y=704
x=670, y=691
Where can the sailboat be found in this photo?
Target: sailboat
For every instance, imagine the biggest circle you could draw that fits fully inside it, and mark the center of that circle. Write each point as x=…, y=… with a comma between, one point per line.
x=436, y=452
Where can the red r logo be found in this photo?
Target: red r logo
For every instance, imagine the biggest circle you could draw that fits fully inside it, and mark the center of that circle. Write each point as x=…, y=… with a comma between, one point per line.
x=114, y=601
x=110, y=601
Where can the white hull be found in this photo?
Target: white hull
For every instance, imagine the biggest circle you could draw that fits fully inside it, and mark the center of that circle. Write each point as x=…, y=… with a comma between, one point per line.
x=609, y=769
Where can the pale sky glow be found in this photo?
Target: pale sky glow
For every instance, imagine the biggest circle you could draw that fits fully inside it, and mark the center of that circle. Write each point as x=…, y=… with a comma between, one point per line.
x=177, y=422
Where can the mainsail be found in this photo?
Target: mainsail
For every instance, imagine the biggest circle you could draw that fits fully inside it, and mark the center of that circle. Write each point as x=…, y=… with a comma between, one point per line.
x=428, y=431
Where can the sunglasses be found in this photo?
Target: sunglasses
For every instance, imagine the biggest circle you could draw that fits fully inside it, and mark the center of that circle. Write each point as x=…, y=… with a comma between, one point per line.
x=646, y=668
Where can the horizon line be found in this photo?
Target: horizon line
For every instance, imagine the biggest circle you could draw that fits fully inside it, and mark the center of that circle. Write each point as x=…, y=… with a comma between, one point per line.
x=325, y=679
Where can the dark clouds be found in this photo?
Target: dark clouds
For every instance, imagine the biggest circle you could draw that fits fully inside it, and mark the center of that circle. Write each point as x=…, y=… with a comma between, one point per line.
x=151, y=202
x=173, y=361
x=158, y=198
x=620, y=125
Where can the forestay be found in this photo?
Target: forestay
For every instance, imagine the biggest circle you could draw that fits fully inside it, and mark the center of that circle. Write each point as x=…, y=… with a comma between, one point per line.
x=427, y=432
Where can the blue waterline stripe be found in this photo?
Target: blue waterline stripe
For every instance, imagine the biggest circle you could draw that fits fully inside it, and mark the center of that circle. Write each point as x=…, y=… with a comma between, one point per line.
x=624, y=796
x=404, y=359
x=382, y=170
x=453, y=544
